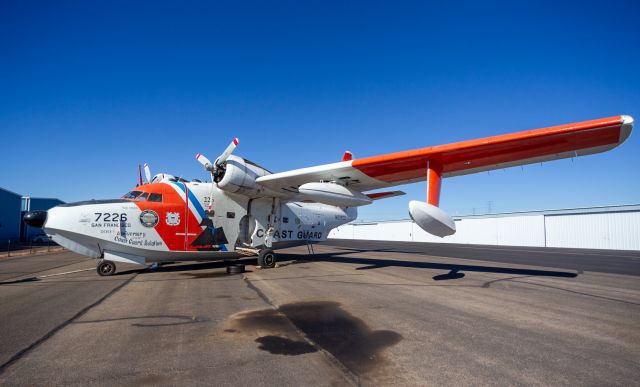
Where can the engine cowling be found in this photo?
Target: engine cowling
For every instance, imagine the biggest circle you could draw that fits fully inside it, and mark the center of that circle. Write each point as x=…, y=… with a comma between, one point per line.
x=431, y=219
x=333, y=194
x=240, y=176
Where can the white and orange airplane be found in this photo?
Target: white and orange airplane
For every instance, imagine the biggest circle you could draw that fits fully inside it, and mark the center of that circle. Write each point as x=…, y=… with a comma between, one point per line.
x=247, y=210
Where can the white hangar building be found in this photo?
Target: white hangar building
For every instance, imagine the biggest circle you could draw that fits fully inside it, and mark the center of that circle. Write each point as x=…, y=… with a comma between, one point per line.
x=613, y=227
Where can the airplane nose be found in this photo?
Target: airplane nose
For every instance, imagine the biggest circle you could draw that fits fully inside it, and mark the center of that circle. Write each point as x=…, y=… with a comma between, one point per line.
x=35, y=218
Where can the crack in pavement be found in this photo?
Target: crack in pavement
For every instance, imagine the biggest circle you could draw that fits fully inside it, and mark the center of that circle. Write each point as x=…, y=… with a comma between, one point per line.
x=348, y=374
x=18, y=355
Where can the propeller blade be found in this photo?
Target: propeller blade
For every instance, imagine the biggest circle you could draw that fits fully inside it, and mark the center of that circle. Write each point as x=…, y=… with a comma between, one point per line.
x=139, y=174
x=204, y=161
x=147, y=172
x=227, y=152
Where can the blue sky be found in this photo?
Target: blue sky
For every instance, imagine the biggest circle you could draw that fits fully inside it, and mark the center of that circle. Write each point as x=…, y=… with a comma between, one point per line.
x=89, y=90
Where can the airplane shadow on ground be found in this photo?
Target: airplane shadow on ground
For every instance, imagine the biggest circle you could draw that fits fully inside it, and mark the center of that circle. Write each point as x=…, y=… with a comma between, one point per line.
x=453, y=270
x=179, y=267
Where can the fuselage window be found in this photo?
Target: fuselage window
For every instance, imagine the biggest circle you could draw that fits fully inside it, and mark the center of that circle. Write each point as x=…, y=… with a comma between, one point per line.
x=132, y=195
x=154, y=197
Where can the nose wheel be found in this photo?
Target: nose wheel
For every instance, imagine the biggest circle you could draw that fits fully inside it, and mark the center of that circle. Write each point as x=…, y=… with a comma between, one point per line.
x=106, y=268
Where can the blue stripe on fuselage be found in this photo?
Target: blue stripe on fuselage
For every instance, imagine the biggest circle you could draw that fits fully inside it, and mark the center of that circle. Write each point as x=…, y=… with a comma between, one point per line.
x=198, y=206
x=193, y=199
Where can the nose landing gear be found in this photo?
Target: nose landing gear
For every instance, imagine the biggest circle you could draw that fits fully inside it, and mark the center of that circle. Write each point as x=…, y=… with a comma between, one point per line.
x=106, y=268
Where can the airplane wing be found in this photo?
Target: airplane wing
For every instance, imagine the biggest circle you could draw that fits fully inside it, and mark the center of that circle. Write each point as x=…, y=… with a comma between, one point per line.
x=503, y=151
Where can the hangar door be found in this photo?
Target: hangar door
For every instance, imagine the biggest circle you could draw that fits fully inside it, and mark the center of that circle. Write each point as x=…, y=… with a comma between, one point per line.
x=617, y=231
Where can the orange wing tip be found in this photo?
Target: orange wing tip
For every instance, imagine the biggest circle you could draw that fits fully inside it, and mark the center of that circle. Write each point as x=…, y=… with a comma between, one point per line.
x=627, y=126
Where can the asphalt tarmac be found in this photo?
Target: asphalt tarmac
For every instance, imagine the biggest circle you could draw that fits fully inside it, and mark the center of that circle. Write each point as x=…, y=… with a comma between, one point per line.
x=356, y=312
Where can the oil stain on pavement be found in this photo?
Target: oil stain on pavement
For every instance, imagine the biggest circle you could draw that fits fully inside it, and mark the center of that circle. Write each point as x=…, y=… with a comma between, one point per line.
x=348, y=338
x=284, y=346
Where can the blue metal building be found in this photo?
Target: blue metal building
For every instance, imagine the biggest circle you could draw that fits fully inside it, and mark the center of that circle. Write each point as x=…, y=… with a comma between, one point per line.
x=10, y=220
x=12, y=207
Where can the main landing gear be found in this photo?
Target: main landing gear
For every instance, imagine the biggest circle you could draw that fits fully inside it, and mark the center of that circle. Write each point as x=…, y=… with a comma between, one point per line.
x=106, y=268
x=267, y=259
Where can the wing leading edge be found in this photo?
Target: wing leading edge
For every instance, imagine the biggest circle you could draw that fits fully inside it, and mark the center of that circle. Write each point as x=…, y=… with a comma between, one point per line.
x=497, y=152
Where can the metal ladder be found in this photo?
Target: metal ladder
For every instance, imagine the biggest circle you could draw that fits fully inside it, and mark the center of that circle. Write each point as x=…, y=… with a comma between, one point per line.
x=310, y=250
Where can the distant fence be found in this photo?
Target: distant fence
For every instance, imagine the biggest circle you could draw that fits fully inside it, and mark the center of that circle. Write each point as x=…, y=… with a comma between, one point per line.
x=616, y=228
x=13, y=247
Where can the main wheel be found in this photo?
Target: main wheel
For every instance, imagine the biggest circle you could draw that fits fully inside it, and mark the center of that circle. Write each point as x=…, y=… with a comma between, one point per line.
x=106, y=268
x=267, y=259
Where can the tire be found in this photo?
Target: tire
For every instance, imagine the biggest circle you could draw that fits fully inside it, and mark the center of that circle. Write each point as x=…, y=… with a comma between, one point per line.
x=235, y=269
x=267, y=259
x=106, y=268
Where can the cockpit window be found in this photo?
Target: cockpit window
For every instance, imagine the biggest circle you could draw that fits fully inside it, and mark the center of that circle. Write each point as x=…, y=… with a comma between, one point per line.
x=154, y=197
x=143, y=196
x=132, y=195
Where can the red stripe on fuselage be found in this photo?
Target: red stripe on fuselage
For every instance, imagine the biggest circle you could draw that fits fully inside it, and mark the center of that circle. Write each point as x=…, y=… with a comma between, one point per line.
x=172, y=236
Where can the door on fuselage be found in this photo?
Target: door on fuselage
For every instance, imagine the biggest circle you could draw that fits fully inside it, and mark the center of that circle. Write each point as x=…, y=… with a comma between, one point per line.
x=261, y=221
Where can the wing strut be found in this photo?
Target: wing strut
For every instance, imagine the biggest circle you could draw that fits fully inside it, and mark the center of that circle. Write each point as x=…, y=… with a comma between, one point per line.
x=429, y=216
x=434, y=178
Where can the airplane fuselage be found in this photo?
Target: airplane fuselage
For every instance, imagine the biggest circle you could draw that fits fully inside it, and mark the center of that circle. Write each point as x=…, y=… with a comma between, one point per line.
x=179, y=221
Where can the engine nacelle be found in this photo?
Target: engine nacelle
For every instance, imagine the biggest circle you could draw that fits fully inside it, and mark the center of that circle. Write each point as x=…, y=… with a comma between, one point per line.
x=431, y=219
x=333, y=194
x=240, y=177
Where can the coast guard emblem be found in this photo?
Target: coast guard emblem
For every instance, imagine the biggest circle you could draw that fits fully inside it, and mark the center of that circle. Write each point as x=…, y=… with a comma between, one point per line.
x=173, y=218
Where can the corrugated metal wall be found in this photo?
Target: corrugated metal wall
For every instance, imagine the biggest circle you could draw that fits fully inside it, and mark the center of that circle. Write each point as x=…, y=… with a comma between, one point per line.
x=595, y=231
x=9, y=216
x=579, y=228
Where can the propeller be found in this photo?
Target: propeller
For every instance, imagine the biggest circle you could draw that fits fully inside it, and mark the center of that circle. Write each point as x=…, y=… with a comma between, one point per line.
x=204, y=161
x=216, y=168
x=227, y=152
x=147, y=172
